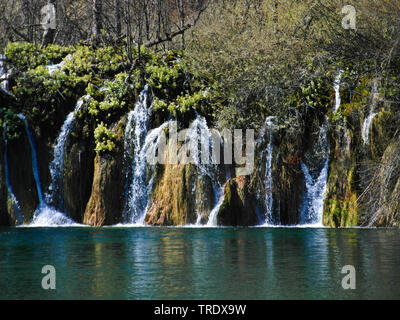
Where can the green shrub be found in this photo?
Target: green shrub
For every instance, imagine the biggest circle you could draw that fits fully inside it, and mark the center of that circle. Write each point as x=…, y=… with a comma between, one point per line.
x=24, y=55
x=105, y=139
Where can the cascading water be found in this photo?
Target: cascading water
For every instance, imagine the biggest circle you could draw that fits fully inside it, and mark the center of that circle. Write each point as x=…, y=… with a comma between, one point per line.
x=316, y=184
x=372, y=114
x=212, y=220
x=336, y=86
x=34, y=159
x=11, y=195
x=54, y=195
x=136, y=143
x=138, y=193
x=201, y=146
x=367, y=126
x=44, y=215
x=313, y=205
x=268, y=202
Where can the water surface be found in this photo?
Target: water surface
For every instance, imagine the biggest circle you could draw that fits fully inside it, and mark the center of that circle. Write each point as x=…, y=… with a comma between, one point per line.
x=204, y=263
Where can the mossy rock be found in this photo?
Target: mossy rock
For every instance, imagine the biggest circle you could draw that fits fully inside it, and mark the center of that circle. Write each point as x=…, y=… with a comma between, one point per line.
x=383, y=127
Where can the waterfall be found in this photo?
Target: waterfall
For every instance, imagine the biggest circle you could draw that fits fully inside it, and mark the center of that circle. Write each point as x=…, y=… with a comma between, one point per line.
x=140, y=142
x=268, y=184
x=136, y=143
x=34, y=159
x=139, y=190
x=368, y=121
x=266, y=218
x=212, y=220
x=268, y=174
x=54, y=195
x=316, y=184
x=44, y=215
x=313, y=204
x=201, y=145
x=367, y=126
x=11, y=195
x=336, y=86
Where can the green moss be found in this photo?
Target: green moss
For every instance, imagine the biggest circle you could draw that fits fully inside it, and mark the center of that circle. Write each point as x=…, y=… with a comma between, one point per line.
x=13, y=124
x=383, y=128
x=341, y=206
x=316, y=94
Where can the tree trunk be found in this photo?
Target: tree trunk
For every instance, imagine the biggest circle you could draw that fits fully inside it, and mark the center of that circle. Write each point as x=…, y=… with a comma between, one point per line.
x=97, y=17
x=117, y=8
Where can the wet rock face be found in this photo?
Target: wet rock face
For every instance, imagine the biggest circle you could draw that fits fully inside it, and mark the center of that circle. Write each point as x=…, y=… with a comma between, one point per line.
x=238, y=207
x=105, y=205
x=21, y=177
x=77, y=177
x=106, y=201
x=179, y=196
x=288, y=178
x=289, y=194
x=4, y=215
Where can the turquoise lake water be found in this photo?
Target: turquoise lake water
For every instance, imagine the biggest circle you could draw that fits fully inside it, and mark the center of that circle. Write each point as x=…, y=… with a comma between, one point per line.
x=204, y=263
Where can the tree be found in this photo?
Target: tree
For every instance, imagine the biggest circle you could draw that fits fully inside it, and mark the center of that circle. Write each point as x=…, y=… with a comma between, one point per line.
x=97, y=17
x=117, y=10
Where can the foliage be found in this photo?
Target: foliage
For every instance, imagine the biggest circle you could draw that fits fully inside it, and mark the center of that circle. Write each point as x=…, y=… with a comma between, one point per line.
x=104, y=138
x=10, y=121
x=111, y=100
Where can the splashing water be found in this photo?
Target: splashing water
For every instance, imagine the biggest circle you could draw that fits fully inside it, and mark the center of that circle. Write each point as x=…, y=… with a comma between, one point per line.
x=313, y=204
x=54, y=195
x=46, y=216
